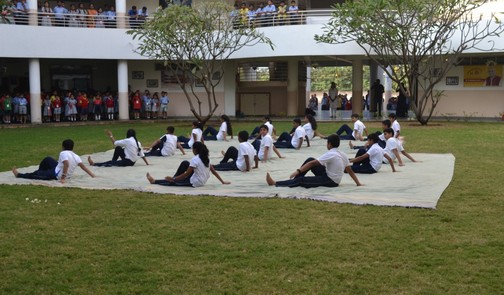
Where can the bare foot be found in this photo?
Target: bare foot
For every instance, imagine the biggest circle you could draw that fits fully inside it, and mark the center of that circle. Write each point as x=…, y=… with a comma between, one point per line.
x=90, y=161
x=223, y=152
x=270, y=180
x=14, y=170
x=350, y=144
x=150, y=178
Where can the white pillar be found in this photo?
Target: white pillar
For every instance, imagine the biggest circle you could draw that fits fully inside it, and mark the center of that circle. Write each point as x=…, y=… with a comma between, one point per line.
x=357, y=85
x=387, y=84
x=35, y=97
x=292, y=88
x=32, y=12
x=120, y=6
x=122, y=89
x=229, y=80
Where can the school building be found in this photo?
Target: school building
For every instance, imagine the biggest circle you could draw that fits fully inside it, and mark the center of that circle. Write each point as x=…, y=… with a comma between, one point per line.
x=40, y=58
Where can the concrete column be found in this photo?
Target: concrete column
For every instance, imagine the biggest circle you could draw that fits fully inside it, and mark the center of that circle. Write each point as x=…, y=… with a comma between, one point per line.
x=373, y=73
x=308, y=83
x=32, y=12
x=387, y=84
x=357, y=85
x=122, y=89
x=35, y=96
x=120, y=6
x=292, y=88
x=230, y=87
x=383, y=82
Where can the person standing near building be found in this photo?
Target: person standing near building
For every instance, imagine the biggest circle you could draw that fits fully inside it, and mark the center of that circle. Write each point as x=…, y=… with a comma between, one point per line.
x=333, y=99
x=377, y=91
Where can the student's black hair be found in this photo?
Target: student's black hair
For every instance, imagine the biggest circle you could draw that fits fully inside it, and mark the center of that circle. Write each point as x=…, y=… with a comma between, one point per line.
x=264, y=126
x=387, y=123
x=201, y=150
x=355, y=116
x=392, y=115
x=312, y=121
x=243, y=136
x=297, y=120
x=373, y=137
x=389, y=130
x=67, y=144
x=170, y=129
x=226, y=119
x=198, y=124
x=334, y=140
x=132, y=133
x=267, y=118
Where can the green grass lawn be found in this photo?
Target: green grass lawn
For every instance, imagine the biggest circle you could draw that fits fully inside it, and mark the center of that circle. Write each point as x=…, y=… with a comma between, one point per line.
x=122, y=242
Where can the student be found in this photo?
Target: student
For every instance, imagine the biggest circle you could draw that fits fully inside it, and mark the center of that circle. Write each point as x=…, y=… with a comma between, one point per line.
x=356, y=133
x=166, y=145
x=196, y=135
x=381, y=138
x=394, y=147
x=395, y=125
x=195, y=173
x=128, y=150
x=241, y=157
x=271, y=129
x=293, y=140
x=224, y=130
x=370, y=161
x=328, y=169
x=311, y=128
x=164, y=100
x=61, y=170
x=265, y=145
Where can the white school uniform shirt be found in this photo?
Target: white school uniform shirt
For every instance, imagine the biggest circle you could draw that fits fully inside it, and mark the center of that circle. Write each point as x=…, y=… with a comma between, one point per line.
x=335, y=162
x=169, y=145
x=396, y=127
x=73, y=161
x=245, y=148
x=298, y=134
x=198, y=133
x=375, y=153
x=392, y=143
x=223, y=128
x=270, y=127
x=201, y=172
x=358, y=129
x=266, y=141
x=130, y=148
x=309, y=131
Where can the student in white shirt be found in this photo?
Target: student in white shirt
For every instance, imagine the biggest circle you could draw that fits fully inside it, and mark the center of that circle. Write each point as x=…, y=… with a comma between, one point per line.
x=241, y=158
x=369, y=161
x=265, y=145
x=225, y=129
x=165, y=146
x=357, y=132
x=196, y=135
x=394, y=147
x=395, y=125
x=50, y=169
x=127, y=151
x=293, y=140
x=194, y=173
x=328, y=169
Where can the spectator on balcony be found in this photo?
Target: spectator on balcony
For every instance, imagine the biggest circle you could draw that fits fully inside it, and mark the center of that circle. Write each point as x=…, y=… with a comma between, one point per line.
x=7, y=11
x=282, y=13
x=21, y=14
x=251, y=15
x=259, y=15
x=235, y=14
x=269, y=12
x=243, y=14
x=73, y=17
x=92, y=13
x=82, y=15
x=59, y=14
x=142, y=15
x=111, y=16
x=292, y=11
x=187, y=3
x=133, y=17
x=46, y=13
x=101, y=18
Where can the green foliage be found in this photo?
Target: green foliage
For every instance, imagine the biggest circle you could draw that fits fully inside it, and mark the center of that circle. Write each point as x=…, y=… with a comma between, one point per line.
x=321, y=78
x=124, y=242
x=194, y=43
x=425, y=38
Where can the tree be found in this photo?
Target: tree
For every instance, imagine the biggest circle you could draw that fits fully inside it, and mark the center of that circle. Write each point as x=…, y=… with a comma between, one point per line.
x=424, y=38
x=194, y=44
